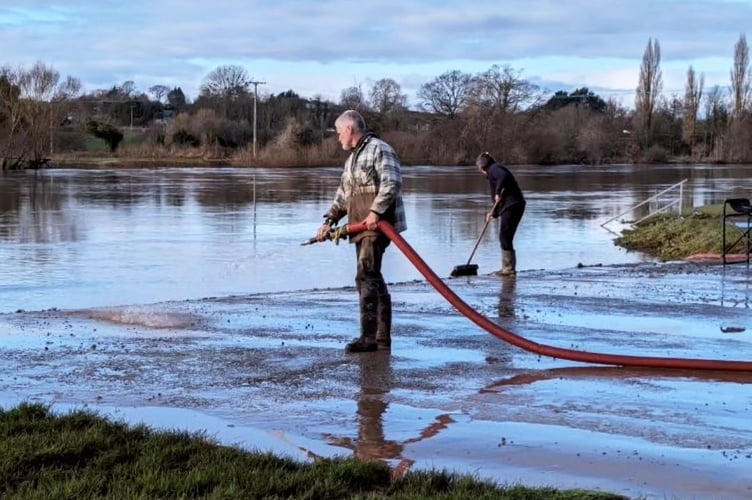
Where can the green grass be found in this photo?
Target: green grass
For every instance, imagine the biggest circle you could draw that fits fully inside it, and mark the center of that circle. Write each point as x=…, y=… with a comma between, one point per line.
x=83, y=455
x=95, y=144
x=674, y=236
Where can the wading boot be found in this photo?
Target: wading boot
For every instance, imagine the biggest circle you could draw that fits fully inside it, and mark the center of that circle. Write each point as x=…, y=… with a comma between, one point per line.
x=384, y=322
x=508, y=263
x=368, y=323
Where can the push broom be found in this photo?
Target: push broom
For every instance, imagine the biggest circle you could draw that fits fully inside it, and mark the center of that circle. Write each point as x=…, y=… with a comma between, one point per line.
x=472, y=269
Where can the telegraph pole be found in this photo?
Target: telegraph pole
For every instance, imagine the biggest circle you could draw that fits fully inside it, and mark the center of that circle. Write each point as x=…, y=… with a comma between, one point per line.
x=255, y=101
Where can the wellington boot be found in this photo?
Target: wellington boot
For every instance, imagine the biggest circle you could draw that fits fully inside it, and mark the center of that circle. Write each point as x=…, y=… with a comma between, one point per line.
x=362, y=345
x=508, y=263
x=384, y=322
x=368, y=325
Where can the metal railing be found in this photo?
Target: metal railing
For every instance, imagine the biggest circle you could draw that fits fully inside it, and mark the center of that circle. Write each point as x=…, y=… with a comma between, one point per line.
x=660, y=209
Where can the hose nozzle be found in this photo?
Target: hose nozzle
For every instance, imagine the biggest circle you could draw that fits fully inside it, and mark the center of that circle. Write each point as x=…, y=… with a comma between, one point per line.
x=335, y=234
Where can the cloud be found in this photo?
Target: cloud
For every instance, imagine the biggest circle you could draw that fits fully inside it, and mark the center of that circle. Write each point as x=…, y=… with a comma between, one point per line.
x=177, y=43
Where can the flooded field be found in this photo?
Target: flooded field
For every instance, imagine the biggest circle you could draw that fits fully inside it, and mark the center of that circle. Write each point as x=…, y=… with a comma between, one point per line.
x=162, y=302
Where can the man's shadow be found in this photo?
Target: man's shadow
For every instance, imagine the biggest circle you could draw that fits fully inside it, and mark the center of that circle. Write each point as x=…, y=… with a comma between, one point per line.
x=376, y=379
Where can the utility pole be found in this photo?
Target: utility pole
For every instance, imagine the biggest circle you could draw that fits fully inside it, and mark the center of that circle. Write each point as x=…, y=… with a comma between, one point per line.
x=255, y=101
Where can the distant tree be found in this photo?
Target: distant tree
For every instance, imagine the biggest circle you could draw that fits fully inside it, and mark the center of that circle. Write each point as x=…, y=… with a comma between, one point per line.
x=159, y=92
x=128, y=89
x=501, y=90
x=34, y=103
x=692, y=98
x=741, y=80
x=352, y=98
x=226, y=81
x=105, y=131
x=649, y=89
x=581, y=97
x=446, y=94
x=716, y=118
x=176, y=99
x=226, y=85
x=386, y=97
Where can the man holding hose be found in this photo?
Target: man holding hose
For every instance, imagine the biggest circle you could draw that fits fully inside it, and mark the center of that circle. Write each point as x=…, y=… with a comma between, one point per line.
x=370, y=190
x=509, y=205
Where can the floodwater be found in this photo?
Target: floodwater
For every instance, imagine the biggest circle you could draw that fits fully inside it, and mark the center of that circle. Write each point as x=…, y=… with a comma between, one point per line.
x=182, y=298
x=85, y=238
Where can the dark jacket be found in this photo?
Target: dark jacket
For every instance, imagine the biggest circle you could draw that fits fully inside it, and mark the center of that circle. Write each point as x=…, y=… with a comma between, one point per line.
x=501, y=179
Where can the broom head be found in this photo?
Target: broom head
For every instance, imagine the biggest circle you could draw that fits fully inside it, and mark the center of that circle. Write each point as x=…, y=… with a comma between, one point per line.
x=465, y=270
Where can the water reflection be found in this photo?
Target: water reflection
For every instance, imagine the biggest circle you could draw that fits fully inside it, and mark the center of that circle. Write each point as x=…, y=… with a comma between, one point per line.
x=620, y=372
x=376, y=379
x=507, y=298
x=88, y=238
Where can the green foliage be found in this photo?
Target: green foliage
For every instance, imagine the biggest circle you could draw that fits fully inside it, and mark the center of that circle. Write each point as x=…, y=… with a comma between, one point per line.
x=82, y=455
x=583, y=97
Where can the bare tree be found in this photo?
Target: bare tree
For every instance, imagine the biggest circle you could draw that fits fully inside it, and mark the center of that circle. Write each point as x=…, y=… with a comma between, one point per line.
x=352, y=98
x=692, y=98
x=446, y=94
x=47, y=97
x=716, y=118
x=226, y=81
x=226, y=84
x=502, y=89
x=648, y=89
x=128, y=89
x=741, y=77
x=12, y=146
x=386, y=96
x=159, y=91
x=34, y=102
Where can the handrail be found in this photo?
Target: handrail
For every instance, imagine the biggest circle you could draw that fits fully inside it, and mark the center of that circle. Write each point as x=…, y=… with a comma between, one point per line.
x=662, y=209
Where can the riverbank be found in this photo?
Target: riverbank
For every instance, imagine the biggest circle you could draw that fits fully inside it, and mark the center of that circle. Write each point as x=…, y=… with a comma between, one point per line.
x=696, y=236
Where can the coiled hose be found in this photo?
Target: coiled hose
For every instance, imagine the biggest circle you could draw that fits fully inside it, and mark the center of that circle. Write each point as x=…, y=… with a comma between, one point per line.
x=528, y=345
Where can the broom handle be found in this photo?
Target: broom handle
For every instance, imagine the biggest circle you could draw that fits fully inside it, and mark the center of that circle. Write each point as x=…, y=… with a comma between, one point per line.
x=485, y=226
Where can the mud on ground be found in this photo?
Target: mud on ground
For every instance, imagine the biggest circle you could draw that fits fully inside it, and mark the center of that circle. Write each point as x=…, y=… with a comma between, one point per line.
x=269, y=372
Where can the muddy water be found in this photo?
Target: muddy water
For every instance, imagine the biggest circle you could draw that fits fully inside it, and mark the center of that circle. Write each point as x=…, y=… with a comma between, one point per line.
x=82, y=238
x=120, y=253
x=269, y=372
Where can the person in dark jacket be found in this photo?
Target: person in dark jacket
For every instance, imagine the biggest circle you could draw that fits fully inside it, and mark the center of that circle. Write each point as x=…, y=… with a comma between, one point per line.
x=370, y=190
x=509, y=206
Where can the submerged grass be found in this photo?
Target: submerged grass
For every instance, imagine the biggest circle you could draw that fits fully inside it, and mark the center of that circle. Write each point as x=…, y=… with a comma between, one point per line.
x=83, y=455
x=674, y=236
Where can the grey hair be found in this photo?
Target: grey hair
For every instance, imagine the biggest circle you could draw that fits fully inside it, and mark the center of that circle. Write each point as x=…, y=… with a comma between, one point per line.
x=351, y=117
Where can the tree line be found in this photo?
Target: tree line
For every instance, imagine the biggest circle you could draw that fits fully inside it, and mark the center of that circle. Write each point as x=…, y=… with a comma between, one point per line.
x=457, y=115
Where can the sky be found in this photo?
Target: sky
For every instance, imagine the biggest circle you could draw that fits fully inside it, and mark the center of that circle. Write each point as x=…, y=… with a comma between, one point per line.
x=317, y=48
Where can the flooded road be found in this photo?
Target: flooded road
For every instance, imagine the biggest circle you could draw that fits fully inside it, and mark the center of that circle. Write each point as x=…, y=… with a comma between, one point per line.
x=269, y=372
x=168, y=297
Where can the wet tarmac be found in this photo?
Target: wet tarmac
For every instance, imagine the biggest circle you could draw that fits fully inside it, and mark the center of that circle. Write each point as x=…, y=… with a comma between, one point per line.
x=269, y=372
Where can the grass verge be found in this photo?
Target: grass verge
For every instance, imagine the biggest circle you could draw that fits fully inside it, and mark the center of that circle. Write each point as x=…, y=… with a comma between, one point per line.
x=83, y=455
x=674, y=236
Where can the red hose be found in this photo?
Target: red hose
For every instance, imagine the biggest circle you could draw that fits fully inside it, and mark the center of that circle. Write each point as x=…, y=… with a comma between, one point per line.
x=528, y=345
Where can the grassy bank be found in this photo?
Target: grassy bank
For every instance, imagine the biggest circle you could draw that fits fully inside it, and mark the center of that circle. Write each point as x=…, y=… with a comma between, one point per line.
x=83, y=455
x=674, y=236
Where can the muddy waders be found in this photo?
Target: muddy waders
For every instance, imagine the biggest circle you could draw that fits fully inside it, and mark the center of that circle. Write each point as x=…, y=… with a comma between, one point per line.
x=374, y=299
x=384, y=322
x=368, y=325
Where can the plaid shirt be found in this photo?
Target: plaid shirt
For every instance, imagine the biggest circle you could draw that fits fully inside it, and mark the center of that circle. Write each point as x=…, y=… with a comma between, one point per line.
x=372, y=171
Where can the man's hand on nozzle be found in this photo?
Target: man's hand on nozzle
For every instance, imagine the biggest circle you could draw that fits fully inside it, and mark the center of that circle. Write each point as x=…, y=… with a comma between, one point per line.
x=323, y=233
